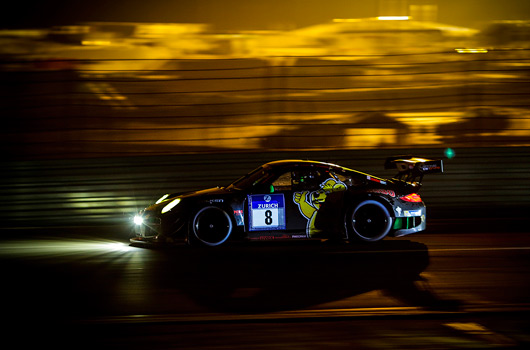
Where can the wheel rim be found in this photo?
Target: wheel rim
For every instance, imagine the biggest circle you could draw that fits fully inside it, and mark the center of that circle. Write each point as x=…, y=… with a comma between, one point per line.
x=370, y=221
x=212, y=226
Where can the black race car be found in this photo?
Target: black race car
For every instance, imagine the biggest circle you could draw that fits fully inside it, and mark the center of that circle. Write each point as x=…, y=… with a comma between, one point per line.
x=291, y=200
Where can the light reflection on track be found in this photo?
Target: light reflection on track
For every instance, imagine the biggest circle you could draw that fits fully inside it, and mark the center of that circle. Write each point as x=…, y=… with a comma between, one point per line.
x=62, y=247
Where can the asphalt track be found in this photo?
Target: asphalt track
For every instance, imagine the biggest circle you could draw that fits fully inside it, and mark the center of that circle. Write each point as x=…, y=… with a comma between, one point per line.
x=442, y=289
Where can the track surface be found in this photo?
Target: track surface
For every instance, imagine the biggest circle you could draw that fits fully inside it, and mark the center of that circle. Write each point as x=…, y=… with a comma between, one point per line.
x=88, y=287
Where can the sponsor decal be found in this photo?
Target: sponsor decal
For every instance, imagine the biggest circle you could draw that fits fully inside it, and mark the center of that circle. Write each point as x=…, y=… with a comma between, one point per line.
x=376, y=180
x=382, y=191
x=429, y=167
x=268, y=205
x=310, y=202
x=269, y=237
x=238, y=214
x=412, y=212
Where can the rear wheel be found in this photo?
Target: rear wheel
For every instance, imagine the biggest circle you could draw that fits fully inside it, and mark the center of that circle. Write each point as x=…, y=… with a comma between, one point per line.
x=211, y=226
x=368, y=221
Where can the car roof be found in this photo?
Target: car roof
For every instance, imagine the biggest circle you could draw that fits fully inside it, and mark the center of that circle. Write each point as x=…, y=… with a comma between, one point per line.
x=289, y=163
x=299, y=162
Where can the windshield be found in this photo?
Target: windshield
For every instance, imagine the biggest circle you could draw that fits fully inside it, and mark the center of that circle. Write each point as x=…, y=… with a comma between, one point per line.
x=251, y=179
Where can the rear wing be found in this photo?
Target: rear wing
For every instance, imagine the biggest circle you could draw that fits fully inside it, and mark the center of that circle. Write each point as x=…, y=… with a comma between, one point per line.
x=411, y=168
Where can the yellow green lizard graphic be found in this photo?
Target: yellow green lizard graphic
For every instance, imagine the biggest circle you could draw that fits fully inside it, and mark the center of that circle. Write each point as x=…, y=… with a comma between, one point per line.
x=310, y=202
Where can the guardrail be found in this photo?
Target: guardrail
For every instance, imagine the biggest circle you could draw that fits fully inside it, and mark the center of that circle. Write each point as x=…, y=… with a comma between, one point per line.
x=485, y=181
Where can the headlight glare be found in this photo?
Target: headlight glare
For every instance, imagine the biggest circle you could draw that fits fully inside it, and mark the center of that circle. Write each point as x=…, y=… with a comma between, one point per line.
x=138, y=220
x=171, y=205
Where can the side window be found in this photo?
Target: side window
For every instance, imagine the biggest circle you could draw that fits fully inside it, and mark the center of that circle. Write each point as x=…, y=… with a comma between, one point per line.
x=283, y=182
x=347, y=179
x=309, y=179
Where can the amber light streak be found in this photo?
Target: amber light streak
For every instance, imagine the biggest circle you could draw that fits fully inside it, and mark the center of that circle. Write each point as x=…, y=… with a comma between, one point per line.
x=393, y=18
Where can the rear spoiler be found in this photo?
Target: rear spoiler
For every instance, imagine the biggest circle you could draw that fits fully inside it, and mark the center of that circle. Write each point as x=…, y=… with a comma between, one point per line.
x=410, y=168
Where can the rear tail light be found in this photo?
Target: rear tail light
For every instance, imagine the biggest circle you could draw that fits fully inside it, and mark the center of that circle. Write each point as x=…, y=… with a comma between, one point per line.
x=413, y=197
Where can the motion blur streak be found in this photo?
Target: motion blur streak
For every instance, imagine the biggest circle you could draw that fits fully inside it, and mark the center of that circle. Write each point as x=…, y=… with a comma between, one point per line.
x=390, y=81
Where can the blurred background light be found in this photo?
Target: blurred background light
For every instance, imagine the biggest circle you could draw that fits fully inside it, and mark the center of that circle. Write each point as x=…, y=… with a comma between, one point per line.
x=393, y=18
x=449, y=153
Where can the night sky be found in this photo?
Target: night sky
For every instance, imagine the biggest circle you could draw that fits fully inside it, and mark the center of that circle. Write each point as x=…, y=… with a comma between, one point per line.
x=244, y=14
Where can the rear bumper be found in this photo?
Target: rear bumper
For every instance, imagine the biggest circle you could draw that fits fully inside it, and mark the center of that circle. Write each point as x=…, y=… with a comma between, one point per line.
x=409, y=221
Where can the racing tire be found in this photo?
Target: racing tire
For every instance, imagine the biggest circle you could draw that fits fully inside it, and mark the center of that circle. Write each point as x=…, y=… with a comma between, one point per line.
x=211, y=226
x=368, y=221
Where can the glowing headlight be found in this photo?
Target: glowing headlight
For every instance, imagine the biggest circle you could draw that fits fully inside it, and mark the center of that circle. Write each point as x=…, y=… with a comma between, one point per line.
x=162, y=198
x=171, y=205
x=138, y=220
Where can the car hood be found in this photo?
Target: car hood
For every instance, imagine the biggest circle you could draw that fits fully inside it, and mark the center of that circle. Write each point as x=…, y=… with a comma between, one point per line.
x=209, y=192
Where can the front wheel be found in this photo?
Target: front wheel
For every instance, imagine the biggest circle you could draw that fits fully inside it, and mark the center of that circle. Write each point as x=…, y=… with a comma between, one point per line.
x=211, y=226
x=368, y=221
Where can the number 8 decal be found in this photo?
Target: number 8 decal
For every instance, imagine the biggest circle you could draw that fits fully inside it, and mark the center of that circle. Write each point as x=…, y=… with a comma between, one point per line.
x=268, y=217
x=266, y=212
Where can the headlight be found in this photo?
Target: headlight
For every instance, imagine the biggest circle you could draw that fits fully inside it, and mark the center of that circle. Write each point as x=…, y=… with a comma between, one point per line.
x=138, y=220
x=171, y=205
x=161, y=199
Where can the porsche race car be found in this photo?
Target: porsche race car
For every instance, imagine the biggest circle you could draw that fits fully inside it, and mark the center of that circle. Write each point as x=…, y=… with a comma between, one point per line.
x=294, y=200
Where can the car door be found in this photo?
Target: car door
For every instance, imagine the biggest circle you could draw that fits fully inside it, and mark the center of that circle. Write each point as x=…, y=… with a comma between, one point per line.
x=311, y=187
x=289, y=206
x=271, y=211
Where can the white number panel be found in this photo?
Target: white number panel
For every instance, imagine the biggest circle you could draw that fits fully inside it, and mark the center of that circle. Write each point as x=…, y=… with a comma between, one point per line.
x=266, y=212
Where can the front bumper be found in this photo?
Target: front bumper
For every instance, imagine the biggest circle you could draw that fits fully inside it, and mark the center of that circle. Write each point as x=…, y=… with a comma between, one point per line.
x=150, y=227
